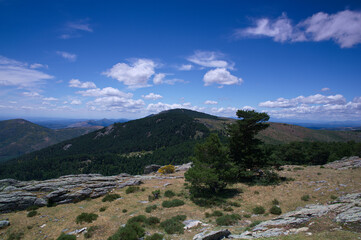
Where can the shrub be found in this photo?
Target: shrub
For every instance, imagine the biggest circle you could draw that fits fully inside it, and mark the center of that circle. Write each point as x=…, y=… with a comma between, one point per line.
x=305, y=198
x=50, y=203
x=32, y=208
x=247, y=215
x=16, y=236
x=32, y=213
x=333, y=197
x=154, y=196
x=228, y=209
x=256, y=192
x=155, y=236
x=86, y=217
x=172, y=203
x=132, y=189
x=110, y=197
x=137, y=219
x=132, y=231
x=275, y=202
x=298, y=168
x=152, y=221
x=149, y=209
x=255, y=223
x=228, y=220
x=166, y=169
x=169, y=194
x=102, y=209
x=174, y=225
x=234, y=204
x=275, y=210
x=258, y=210
x=64, y=236
x=217, y=213
x=90, y=231
x=124, y=210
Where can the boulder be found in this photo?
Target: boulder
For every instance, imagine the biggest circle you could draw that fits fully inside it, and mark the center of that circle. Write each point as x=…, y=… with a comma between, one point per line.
x=4, y=223
x=214, y=235
x=151, y=168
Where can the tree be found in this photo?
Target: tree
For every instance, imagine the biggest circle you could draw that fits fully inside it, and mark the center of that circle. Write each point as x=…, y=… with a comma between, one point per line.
x=244, y=147
x=212, y=169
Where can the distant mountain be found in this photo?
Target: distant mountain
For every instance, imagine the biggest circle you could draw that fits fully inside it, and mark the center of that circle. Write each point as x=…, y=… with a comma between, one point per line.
x=70, y=123
x=19, y=136
x=165, y=138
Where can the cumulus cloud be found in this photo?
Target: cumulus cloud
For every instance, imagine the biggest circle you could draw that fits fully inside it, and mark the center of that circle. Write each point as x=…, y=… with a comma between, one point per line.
x=209, y=59
x=320, y=107
x=224, y=111
x=16, y=73
x=152, y=96
x=75, y=102
x=185, y=67
x=115, y=103
x=105, y=92
x=342, y=27
x=68, y=56
x=134, y=75
x=78, y=84
x=220, y=76
x=210, y=102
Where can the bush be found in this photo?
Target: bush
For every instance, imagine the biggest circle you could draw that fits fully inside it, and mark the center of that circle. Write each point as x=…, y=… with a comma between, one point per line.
x=149, y=209
x=152, y=221
x=110, y=197
x=234, y=204
x=174, y=225
x=124, y=210
x=305, y=198
x=333, y=197
x=154, y=196
x=258, y=210
x=64, y=236
x=90, y=231
x=86, y=217
x=32, y=213
x=132, y=231
x=256, y=192
x=137, y=219
x=247, y=215
x=169, y=194
x=228, y=209
x=102, y=209
x=132, y=189
x=172, y=203
x=275, y=202
x=166, y=169
x=255, y=223
x=228, y=220
x=275, y=210
x=50, y=203
x=155, y=236
x=32, y=208
x=16, y=236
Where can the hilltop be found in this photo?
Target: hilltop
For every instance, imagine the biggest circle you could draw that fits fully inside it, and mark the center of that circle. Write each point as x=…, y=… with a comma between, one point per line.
x=19, y=136
x=168, y=137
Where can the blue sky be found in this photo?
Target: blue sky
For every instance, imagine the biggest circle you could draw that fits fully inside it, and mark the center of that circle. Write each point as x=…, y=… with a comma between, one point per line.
x=296, y=60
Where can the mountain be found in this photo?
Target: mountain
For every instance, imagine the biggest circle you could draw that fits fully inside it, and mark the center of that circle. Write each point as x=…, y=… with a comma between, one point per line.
x=168, y=137
x=19, y=136
x=70, y=123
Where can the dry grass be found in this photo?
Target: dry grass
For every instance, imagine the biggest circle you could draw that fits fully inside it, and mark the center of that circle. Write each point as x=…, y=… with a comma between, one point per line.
x=288, y=194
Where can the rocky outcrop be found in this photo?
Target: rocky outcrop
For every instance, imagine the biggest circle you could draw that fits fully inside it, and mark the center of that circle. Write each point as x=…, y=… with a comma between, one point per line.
x=345, y=163
x=17, y=195
x=151, y=168
x=213, y=235
x=4, y=223
x=346, y=209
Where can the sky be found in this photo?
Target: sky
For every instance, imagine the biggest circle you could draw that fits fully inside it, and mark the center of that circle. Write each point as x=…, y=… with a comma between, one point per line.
x=295, y=60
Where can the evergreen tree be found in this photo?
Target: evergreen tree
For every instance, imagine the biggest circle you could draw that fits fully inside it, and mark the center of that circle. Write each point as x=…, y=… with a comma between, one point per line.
x=244, y=147
x=212, y=169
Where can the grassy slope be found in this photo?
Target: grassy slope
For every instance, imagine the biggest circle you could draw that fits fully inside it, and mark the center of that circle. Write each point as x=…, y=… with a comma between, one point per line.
x=19, y=136
x=288, y=194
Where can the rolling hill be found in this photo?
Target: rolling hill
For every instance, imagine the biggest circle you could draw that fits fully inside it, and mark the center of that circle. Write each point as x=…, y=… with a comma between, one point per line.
x=165, y=138
x=18, y=136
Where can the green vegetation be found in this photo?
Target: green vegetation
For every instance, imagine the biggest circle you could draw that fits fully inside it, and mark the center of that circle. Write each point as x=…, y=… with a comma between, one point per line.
x=155, y=236
x=258, y=210
x=86, y=217
x=110, y=197
x=15, y=236
x=305, y=198
x=169, y=194
x=124, y=210
x=275, y=210
x=152, y=221
x=102, y=209
x=137, y=219
x=64, y=236
x=132, y=189
x=131, y=231
x=155, y=195
x=32, y=208
x=227, y=220
x=150, y=208
x=89, y=233
x=32, y=213
x=255, y=223
x=172, y=203
x=275, y=202
x=167, y=169
x=174, y=225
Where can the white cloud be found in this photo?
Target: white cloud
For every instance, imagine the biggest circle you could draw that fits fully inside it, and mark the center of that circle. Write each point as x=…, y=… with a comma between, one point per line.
x=38, y=65
x=50, y=99
x=248, y=108
x=342, y=27
x=31, y=94
x=78, y=84
x=68, y=56
x=114, y=103
x=74, y=29
x=209, y=59
x=75, y=102
x=220, y=76
x=105, y=92
x=152, y=96
x=224, y=111
x=158, y=107
x=135, y=75
x=185, y=67
x=210, y=102
x=81, y=25
x=160, y=79
x=325, y=89
x=15, y=73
